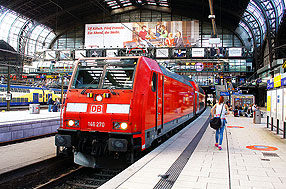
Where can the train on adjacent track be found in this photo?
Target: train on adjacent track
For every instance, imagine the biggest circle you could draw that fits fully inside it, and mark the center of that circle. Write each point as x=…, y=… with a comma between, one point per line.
x=25, y=95
x=117, y=107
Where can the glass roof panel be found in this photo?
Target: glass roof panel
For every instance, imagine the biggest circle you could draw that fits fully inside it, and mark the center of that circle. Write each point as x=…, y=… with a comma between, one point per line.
x=241, y=24
x=255, y=10
x=280, y=5
x=11, y=27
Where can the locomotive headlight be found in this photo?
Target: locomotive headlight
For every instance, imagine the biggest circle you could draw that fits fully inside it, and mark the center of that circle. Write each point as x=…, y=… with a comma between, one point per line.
x=71, y=123
x=98, y=98
x=123, y=125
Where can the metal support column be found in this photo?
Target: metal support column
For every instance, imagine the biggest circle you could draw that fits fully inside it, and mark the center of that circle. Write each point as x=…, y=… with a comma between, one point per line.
x=62, y=89
x=272, y=124
x=284, y=130
x=277, y=131
x=8, y=87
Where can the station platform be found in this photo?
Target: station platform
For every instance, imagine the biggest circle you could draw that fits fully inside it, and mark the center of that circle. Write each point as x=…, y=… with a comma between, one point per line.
x=15, y=125
x=24, y=116
x=18, y=155
x=252, y=157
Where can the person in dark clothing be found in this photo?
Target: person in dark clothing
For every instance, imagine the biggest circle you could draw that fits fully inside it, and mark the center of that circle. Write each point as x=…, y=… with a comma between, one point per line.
x=50, y=103
x=56, y=105
x=235, y=112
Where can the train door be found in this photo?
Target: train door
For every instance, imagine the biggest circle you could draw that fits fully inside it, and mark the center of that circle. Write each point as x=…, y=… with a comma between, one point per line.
x=198, y=103
x=160, y=103
x=195, y=103
x=35, y=97
x=49, y=96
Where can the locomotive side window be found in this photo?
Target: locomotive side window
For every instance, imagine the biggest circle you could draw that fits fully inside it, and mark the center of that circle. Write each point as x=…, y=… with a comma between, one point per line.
x=154, y=82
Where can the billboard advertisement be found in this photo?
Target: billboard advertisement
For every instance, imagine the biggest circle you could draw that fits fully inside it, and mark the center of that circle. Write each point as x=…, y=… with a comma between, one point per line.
x=142, y=34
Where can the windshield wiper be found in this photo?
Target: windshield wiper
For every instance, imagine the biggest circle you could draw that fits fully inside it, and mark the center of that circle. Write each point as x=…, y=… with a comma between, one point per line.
x=111, y=90
x=87, y=87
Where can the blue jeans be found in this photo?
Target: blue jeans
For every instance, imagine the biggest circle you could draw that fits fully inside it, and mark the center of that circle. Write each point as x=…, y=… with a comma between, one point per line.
x=219, y=132
x=50, y=107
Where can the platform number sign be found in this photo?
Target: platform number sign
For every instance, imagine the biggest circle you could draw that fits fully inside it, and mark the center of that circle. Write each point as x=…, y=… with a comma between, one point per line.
x=96, y=109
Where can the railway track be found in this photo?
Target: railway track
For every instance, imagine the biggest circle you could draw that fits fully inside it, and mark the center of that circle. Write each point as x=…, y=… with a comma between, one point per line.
x=40, y=172
x=81, y=177
x=63, y=173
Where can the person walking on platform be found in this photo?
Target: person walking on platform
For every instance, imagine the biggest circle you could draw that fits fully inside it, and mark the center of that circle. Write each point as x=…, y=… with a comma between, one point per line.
x=50, y=103
x=220, y=108
x=56, y=105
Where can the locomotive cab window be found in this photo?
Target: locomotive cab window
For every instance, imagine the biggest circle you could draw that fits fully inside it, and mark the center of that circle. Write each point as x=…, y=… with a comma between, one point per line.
x=154, y=82
x=119, y=77
x=105, y=73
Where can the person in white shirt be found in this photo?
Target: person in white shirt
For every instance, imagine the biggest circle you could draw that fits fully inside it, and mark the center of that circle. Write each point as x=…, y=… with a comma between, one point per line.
x=220, y=110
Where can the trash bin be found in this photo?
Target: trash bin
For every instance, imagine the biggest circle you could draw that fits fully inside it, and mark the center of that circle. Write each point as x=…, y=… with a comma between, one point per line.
x=257, y=117
x=34, y=108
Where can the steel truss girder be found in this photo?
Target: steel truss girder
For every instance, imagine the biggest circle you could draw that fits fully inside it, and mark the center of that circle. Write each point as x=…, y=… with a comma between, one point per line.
x=259, y=29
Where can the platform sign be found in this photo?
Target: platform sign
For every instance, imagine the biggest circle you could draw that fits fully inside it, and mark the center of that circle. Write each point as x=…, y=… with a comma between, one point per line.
x=224, y=93
x=234, y=52
x=273, y=104
x=162, y=53
x=111, y=53
x=198, y=52
x=50, y=55
x=280, y=104
x=270, y=84
x=283, y=79
x=269, y=102
x=284, y=64
x=79, y=54
x=277, y=81
x=8, y=96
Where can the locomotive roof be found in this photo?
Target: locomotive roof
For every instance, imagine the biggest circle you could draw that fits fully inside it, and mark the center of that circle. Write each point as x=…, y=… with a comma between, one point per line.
x=174, y=75
x=189, y=79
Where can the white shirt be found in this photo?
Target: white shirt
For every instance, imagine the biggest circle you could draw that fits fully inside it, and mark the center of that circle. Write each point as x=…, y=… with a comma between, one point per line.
x=218, y=110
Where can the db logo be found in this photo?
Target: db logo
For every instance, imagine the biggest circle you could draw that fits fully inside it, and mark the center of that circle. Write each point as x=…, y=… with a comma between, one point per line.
x=96, y=109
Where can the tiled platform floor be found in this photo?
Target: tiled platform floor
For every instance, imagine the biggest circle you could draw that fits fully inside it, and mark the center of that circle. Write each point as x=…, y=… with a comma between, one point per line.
x=233, y=167
x=20, y=116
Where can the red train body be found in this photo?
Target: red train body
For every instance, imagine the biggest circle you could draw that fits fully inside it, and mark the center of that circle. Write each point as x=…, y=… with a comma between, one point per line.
x=119, y=106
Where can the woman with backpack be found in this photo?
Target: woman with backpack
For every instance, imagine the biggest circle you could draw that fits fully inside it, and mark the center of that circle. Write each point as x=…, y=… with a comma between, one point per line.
x=220, y=109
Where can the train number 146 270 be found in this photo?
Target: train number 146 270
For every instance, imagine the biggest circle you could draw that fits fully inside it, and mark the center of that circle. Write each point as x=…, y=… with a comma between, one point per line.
x=96, y=124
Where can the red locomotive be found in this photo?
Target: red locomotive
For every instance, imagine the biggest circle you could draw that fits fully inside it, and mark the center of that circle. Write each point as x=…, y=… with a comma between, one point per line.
x=117, y=107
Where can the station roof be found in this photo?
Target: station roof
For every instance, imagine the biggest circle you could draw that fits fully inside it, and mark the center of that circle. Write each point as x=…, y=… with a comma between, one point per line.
x=249, y=18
